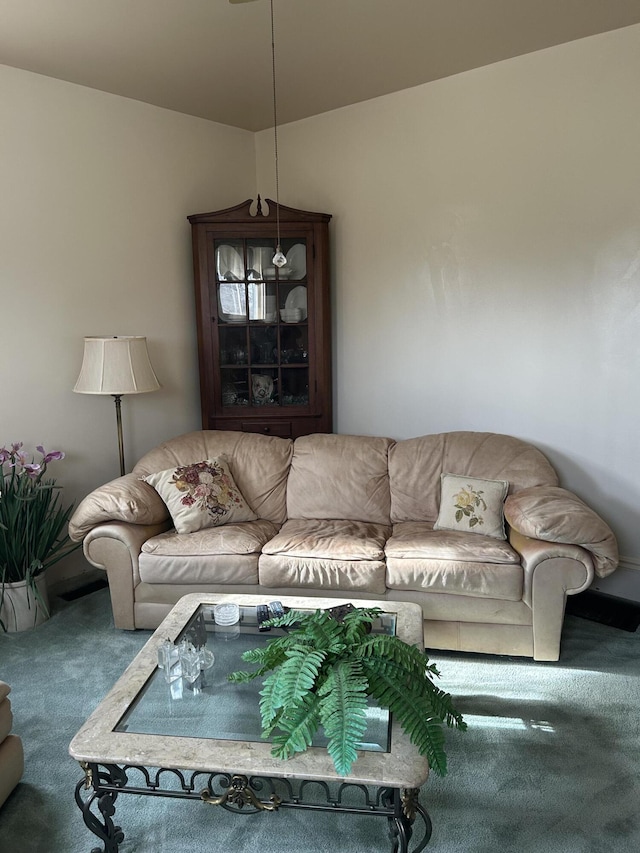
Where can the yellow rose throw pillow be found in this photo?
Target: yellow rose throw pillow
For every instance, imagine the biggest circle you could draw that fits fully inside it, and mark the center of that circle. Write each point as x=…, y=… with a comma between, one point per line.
x=201, y=494
x=472, y=505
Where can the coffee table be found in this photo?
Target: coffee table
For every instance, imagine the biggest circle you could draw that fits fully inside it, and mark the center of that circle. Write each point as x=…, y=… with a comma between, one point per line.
x=154, y=738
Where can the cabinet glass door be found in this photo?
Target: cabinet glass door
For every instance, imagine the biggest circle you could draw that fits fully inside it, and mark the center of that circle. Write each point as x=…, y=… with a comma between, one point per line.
x=263, y=334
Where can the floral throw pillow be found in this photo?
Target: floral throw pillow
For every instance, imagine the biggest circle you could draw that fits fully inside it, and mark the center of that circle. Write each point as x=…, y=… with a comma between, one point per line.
x=472, y=505
x=202, y=494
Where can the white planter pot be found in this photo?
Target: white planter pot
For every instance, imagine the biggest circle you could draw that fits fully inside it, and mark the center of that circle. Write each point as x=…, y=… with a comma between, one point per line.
x=20, y=609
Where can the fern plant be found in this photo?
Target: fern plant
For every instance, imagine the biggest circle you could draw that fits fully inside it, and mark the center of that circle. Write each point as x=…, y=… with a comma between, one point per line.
x=322, y=671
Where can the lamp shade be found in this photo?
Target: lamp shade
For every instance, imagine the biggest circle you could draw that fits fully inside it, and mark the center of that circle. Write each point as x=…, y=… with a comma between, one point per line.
x=116, y=365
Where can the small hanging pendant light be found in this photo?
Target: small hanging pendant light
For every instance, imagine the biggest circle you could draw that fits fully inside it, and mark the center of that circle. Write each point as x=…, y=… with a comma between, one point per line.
x=279, y=259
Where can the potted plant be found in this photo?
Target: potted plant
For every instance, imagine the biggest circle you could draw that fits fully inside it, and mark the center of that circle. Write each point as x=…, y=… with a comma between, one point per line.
x=322, y=671
x=33, y=535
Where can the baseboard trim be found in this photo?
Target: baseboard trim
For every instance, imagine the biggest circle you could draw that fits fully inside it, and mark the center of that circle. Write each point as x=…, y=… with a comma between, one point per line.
x=623, y=583
x=606, y=609
x=69, y=585
x=86, y=589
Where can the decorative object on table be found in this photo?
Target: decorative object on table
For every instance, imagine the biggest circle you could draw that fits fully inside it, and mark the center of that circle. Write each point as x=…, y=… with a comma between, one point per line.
x=168, y=661
x=33, y=535
x=227, y=613
x=227, y=619
x=116, y=365
x=189, y=660
x=322, y=671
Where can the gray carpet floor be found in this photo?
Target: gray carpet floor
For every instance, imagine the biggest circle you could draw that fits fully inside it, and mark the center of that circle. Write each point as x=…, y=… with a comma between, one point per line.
x=550, y=763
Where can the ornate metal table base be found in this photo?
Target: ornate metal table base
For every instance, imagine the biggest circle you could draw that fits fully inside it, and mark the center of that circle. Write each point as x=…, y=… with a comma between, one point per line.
x=102, y=783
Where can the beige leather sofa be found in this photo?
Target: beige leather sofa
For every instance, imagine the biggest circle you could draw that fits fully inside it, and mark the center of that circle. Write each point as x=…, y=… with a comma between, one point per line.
x=11, y=752
x=341, y=516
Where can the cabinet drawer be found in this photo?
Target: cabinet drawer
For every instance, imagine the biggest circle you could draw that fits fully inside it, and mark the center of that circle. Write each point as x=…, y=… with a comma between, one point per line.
x=279, y=428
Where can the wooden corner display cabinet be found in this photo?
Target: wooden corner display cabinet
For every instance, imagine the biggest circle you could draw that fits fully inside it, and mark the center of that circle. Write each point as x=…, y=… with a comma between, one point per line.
x=264, y=333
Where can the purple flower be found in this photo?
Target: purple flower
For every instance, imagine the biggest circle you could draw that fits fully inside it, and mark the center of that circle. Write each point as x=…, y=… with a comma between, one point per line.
x=16, y=446
x=5, y=455
x=32, y=469
x=19, y=456
x=49, y=457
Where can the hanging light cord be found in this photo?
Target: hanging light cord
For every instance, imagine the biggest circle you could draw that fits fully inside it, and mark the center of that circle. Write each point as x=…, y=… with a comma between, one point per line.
x=275, y=137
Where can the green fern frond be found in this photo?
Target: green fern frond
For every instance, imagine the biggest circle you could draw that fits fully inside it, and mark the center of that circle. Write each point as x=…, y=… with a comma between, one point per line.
x=241, y=676
x=322, y=633
x=255, y=655
x=342, y=712
x=414, y=711
x=439, y=702
x=291, y=617
x=299, y=725
x=270, y=655
x=291, y=682
x=270, y=698
x=357, y=623
x=271, y=726
x=442, y=704
x=303, y=665
x=412, y=658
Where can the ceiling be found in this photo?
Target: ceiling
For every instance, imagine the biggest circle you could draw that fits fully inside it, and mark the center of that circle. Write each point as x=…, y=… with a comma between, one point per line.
x=212, y=59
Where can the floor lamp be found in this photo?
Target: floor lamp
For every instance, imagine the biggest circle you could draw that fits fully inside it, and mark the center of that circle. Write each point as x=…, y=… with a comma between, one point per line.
x=117, y=365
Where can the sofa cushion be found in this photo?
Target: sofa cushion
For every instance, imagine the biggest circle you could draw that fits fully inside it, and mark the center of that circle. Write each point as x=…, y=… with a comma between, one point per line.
x=350, y=576
x=339, y=476
x=259, y=464
x=415, y=466
x=245, y=538
x=456, y=577
x=330, y=539
x=419, y=540
x=472, y=505
x=232, y=569
x=201, y=495
x=221, y=555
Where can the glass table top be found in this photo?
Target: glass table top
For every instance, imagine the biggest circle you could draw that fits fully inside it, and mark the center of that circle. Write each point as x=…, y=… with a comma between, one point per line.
x=214, y=707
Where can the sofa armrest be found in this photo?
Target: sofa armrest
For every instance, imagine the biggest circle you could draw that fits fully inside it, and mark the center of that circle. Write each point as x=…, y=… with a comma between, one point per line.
x=125, y=499
x=573, y=565
x=552, y=570
x=553, y=514
x=115, y=548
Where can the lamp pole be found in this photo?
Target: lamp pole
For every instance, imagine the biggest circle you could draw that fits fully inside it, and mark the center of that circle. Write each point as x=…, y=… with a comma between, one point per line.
x=118, y=398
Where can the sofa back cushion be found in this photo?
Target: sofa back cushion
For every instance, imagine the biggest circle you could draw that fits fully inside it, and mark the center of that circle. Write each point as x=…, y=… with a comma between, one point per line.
x=415, y=466
x=259, y=464
x=341, y=477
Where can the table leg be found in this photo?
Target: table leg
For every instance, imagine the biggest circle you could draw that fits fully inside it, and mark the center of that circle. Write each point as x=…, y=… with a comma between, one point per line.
x=401, y=824
x=106, y=830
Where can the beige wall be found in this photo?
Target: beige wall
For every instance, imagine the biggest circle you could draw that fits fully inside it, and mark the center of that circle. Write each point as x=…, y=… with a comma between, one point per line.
x=486, y=241
x=94, y=194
